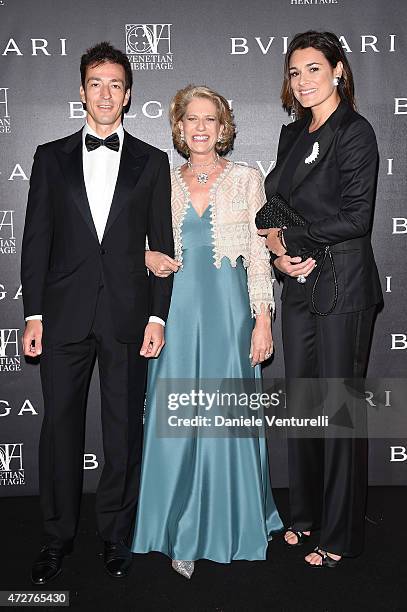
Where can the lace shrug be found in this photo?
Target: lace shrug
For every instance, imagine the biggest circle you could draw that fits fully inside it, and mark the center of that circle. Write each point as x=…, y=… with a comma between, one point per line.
x=234, y=199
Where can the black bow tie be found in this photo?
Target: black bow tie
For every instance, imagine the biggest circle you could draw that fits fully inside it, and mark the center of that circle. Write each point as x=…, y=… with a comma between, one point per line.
x=111, y=142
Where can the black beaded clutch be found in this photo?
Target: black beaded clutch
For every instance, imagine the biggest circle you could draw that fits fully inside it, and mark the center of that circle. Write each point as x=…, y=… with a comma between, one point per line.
x=277, y=213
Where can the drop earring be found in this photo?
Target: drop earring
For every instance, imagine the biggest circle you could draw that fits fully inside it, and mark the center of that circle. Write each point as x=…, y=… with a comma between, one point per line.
x=336, y=81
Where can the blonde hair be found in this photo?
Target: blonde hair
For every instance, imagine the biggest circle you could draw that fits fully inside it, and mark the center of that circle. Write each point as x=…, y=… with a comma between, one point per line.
x=179, y=105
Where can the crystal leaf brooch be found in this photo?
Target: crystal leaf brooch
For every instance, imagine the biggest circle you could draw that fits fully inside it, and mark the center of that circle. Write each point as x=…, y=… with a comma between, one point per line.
x=313, y=155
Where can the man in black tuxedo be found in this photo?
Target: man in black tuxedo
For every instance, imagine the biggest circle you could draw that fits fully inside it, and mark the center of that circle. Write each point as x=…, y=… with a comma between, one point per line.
x=94, y=198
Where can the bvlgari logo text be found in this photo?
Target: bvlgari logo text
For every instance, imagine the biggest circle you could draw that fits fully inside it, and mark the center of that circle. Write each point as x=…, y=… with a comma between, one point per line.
x=34, y=46
x=398, y=342
x=17, y=173
x=398, y=453
x=152, y=109
x=148, y=46
x=399, y=225
x=170, y=153
x=25, y=408
x=400, y=106
x=264, y=167
x=90, y=461
x=14, y=295
x=368, y=43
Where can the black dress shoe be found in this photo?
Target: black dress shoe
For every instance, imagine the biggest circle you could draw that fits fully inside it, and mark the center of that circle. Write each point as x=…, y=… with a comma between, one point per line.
x=48, y=565
x=118, y=559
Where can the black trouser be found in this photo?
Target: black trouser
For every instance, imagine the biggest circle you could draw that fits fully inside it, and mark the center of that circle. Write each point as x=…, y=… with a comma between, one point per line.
x=66, y=369
x=327, y=475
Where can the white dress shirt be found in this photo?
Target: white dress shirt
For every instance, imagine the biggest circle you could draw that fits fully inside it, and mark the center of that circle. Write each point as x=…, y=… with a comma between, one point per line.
x=100, y=170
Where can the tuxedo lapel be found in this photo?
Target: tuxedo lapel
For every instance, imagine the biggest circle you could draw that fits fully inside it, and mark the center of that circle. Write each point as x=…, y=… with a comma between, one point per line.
x=324, y=142
x=288, y=139
x=72, y=167
x=132, y=163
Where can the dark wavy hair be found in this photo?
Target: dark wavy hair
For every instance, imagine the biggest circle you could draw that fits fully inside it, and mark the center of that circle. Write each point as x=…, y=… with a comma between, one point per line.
x=329, y=44
x=105, y=52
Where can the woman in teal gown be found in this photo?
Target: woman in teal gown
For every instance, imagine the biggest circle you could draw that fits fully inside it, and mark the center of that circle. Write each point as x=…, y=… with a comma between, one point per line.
x=208, y=497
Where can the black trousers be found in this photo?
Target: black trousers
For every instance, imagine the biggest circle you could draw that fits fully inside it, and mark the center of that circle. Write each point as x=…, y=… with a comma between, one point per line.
x=327, y=475
x=65, y=374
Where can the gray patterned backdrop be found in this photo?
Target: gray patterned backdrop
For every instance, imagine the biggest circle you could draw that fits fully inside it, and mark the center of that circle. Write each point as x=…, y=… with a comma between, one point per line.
x=237, y=48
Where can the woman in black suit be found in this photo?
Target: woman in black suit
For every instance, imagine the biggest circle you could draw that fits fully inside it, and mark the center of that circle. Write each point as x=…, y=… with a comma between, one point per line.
x=326, y=169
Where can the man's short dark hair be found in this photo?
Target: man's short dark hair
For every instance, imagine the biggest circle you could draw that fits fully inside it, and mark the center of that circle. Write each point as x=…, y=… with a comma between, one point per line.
x=105, y=52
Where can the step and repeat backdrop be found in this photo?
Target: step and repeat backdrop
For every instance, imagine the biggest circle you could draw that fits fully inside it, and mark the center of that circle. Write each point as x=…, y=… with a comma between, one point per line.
x=238, y=49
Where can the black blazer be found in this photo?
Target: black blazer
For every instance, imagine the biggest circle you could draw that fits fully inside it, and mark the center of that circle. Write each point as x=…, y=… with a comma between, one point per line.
x=336, y=194
x=63, y=264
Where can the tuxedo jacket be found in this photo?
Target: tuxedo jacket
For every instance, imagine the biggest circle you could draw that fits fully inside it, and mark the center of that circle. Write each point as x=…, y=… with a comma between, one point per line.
x=63, y=263
x=336, y=195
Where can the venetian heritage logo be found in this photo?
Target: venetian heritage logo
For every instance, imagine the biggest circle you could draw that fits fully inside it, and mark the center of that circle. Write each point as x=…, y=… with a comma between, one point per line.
x=7, y=238
x=11, y=465
x=10, y=360
x=320, y=2
x=148, y=46
x=5, y=123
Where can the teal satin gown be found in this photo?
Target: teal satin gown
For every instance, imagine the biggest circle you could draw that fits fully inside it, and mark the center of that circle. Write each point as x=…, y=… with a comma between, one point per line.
x=201, y=497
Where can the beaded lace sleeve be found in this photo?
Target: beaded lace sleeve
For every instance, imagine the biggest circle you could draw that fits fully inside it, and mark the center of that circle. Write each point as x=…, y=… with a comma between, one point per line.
x=259, y=280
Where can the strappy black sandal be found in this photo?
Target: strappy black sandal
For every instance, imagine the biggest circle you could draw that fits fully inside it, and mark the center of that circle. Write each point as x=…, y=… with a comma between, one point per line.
x=301, y=537
x=327, y=561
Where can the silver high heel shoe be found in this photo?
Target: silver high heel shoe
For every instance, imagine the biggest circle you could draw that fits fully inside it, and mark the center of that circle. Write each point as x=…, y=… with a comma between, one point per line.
x=185, y=568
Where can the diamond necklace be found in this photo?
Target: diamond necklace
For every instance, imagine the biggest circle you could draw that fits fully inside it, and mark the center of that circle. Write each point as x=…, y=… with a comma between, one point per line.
x=202, y=177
